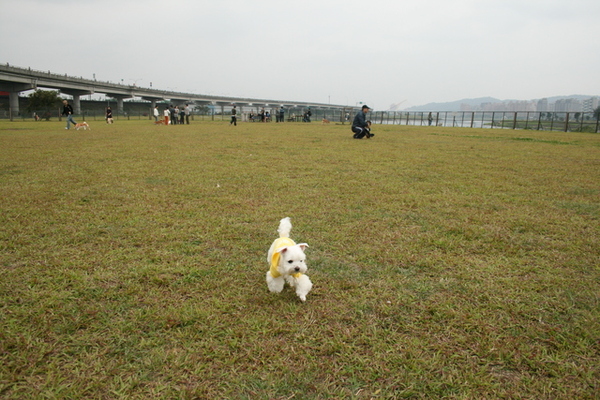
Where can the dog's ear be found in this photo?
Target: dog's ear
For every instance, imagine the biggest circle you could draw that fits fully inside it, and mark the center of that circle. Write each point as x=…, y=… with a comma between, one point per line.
x=282, y=250
x=303, y=246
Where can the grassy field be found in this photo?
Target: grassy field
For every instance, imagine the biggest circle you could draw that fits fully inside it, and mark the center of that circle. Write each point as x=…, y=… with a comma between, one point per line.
x=447, y=262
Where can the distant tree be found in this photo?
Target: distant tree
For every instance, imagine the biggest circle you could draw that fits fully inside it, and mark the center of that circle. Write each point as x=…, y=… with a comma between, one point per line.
x=43, y=100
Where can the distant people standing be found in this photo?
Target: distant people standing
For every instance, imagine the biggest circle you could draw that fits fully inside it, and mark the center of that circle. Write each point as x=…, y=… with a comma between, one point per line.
x=173, y=115
x=187, y=114
x=360, y=126
x=68, y=111
x=109, y=117
x=181, y=116
x=281, y=114
x=261, y=114
x=233, y=116
x=167, y=114
x=155, y=113
x=430, y=118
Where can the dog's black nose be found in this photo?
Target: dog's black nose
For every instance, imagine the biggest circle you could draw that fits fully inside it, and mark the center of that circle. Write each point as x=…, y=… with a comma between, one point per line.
x=297, y=269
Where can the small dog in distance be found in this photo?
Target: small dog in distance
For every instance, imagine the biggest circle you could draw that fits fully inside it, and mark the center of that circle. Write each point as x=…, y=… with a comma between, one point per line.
x=83, y=125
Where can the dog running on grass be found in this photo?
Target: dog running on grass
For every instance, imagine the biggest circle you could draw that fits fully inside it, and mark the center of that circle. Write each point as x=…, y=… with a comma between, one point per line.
x=325, y=121
x=287, y=263
x=83, y=125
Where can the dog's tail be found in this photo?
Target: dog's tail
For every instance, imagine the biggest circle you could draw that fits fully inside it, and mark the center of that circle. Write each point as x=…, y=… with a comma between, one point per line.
x=285, y=227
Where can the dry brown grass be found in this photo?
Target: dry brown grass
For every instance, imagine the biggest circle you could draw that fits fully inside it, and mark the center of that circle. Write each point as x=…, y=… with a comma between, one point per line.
x=447, y=263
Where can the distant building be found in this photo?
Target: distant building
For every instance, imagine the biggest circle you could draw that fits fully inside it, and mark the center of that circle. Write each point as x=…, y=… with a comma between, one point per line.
x=568, y=105
x=542, y=105
x=524, y=105
x=591, y=104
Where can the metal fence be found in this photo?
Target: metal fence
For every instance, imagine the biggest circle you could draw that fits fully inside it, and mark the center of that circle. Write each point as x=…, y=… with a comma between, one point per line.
x=541, y=121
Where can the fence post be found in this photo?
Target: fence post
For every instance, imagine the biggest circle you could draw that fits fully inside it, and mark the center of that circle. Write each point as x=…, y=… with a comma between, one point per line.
x=515, y=121
x=472, y=118
x=567, y=123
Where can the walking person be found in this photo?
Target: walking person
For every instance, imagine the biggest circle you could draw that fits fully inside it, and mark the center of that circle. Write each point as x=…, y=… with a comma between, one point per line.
x=360, y=126
x=109, y=117
x=233, y=116
x=68, y=111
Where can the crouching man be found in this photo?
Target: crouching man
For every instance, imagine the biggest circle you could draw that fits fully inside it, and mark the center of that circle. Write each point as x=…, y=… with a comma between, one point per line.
x=361, y=126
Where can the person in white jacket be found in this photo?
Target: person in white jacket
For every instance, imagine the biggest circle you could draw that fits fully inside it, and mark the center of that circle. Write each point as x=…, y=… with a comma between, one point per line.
x=156, y=114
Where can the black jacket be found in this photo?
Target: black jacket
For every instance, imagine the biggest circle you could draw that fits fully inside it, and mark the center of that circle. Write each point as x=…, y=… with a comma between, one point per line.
x=360, y=120
x=67, y=110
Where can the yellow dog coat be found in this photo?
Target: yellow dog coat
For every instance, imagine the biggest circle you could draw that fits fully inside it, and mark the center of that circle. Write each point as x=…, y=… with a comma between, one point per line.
x=279, y=244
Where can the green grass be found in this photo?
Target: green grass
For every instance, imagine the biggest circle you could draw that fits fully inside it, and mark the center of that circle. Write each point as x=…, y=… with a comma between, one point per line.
x=447, y=263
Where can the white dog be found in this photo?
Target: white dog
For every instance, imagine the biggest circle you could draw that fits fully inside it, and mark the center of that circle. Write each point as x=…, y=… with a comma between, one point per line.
x=288, y=263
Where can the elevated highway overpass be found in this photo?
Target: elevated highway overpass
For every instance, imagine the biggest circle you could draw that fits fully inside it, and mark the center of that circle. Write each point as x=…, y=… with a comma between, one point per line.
x=15, y=80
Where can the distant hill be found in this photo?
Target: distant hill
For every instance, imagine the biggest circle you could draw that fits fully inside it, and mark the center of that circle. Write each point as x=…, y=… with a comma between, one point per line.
x=455, y=105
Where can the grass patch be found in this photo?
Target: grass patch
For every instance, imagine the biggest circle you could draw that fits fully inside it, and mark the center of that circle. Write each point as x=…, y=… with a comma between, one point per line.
x=132, y=262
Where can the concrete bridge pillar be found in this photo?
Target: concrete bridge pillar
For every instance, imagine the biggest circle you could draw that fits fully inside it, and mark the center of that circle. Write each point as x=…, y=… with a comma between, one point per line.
x=13, y=90
x=76, y=104
x=120, y=104
x=13, y=101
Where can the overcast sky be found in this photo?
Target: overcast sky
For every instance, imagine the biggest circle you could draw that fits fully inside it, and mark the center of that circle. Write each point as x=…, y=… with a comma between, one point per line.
x=380, y=52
